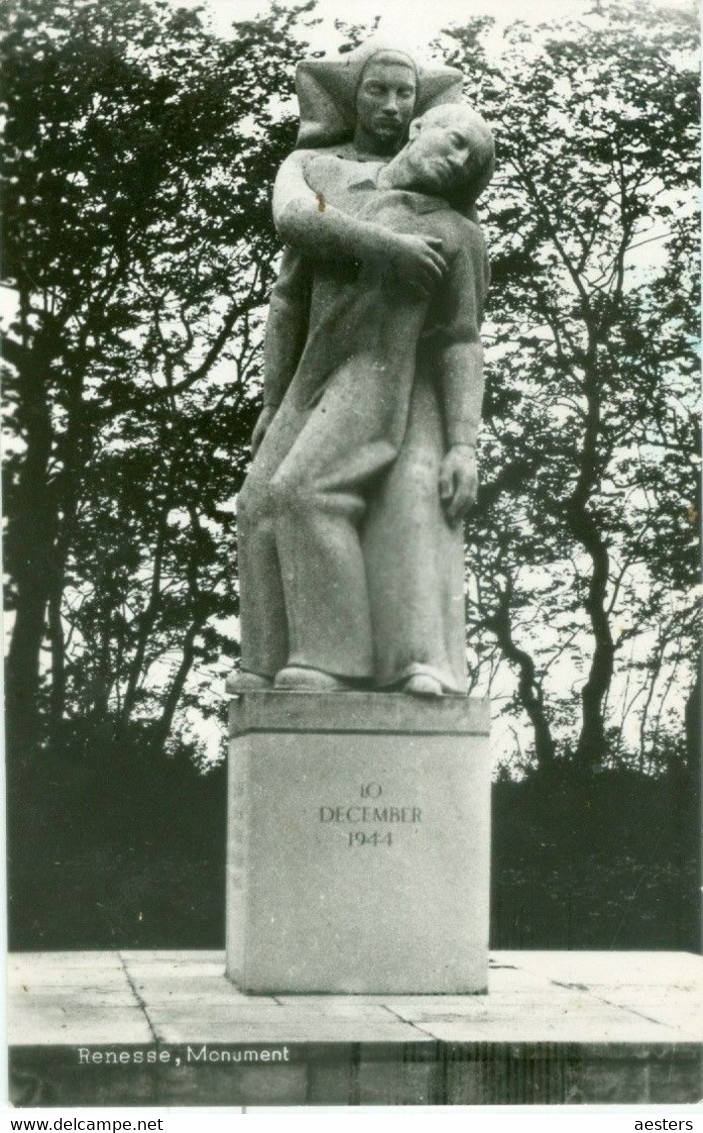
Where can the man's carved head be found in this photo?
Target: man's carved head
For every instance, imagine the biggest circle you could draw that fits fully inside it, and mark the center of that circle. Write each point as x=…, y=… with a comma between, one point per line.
x=385, y=102
x=377, y=85
x=450, y=153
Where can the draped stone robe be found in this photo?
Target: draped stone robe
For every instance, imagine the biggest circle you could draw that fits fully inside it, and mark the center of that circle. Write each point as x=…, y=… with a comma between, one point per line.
x=347, y=563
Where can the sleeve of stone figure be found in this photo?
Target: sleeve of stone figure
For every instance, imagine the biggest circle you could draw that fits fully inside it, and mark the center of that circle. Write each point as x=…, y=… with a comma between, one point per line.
x=286, y=326
x=458, y=340
x=305, y=218
x=291, y=185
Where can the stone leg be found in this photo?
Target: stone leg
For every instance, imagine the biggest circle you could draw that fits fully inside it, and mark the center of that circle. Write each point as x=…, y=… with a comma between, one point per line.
x=417, y=598
x=264, y=625
x=325, y=585
x=320, y=496
x=264, y=628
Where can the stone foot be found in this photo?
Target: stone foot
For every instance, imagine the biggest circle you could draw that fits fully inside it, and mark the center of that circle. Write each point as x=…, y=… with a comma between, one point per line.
x=296, y=677
x=247, y=682
x=423, y=685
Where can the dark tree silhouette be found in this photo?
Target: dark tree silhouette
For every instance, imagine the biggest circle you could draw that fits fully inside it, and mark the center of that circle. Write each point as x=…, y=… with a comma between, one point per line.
x=138, y=154
x=584, y=541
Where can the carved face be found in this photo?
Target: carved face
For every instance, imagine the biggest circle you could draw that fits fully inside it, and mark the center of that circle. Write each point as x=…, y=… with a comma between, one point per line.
x=385, y=100
x=446, y=150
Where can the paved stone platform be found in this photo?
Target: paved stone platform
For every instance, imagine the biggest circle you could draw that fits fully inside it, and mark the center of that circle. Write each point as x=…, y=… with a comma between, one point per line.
x=555, y=1027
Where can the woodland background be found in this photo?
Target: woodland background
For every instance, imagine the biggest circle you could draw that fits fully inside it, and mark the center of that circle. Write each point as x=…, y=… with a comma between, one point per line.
x=139, y=150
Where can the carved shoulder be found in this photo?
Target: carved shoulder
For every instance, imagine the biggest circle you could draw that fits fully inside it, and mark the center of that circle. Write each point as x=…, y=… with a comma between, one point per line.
x=291, y=184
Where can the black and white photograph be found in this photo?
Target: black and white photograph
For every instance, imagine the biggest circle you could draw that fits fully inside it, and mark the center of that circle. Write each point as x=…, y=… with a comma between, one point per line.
x=352, y=437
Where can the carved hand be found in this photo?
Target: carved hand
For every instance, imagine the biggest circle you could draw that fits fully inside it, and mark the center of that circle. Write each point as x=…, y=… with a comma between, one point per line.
x=458, y=482
x=418, y=261
x=265, y=418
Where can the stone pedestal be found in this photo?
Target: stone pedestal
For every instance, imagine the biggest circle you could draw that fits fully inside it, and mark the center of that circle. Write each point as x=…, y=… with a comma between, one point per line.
x=358, y=844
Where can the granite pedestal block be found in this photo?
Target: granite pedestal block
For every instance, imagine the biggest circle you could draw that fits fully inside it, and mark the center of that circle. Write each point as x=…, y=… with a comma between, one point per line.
x=358, y=844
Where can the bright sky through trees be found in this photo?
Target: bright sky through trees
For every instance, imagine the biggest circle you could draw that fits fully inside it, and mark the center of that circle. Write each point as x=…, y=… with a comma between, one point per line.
x=414, y=23
x=140, y=247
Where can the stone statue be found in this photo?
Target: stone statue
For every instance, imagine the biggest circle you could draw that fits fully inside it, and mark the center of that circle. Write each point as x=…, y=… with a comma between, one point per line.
x=351, y=553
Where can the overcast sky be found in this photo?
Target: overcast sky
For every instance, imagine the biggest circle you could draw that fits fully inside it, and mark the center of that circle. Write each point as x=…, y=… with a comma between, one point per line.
x=413, y=23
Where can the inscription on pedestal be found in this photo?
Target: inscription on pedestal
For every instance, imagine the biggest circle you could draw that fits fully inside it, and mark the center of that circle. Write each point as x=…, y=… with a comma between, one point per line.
x=358, y=849
x=366, y=814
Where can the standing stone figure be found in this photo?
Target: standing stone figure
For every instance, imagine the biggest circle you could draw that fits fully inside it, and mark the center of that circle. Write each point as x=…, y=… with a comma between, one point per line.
x=351, y=554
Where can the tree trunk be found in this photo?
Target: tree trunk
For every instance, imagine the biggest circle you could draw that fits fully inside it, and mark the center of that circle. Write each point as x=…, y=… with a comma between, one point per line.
x=30, y=544
x=163, y=727
x=529, y=693
x=57, y=695
x=592, y=747
x=147, y=618
x=69, y=480
x=693, y=729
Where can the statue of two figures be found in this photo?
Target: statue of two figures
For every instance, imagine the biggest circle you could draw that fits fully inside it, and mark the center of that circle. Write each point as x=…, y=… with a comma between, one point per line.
x=351, y=559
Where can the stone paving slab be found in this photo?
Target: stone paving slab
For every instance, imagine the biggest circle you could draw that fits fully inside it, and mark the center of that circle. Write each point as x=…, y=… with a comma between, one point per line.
x=176, y=970
x=246, y=1011
x=330, y=1004
x=684, y=1017
x=36, y=978
x=670, y=1006
x=291, y=1030
x=579, y=1023
x=97, y=997
x=76, y=1023
x=277, y=1024
x=64, y=961
x=501, y=982
x=612, y=969
x=104, y=996
x=210, y=989
x=510, y=980
x=173, y=956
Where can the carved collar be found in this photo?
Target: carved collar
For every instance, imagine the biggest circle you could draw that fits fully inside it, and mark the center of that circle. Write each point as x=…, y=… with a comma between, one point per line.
x=418, y=202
